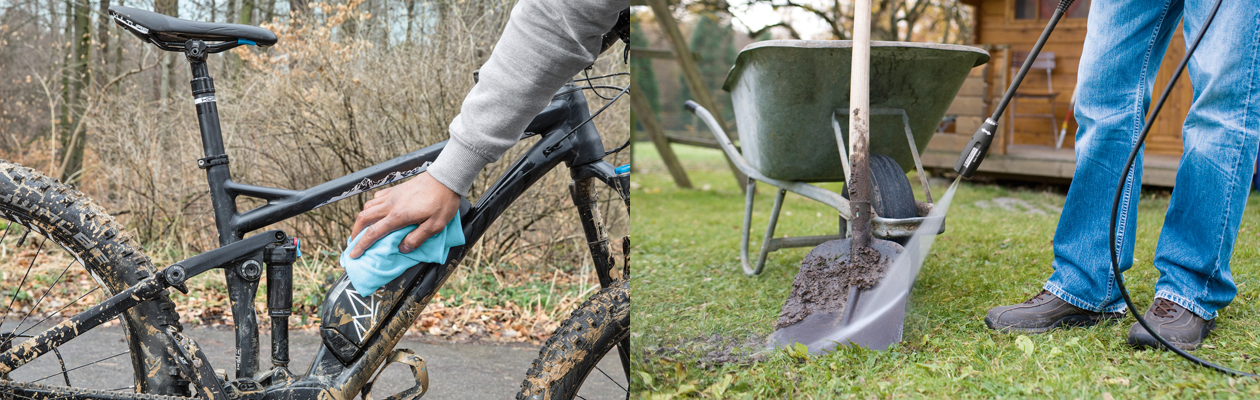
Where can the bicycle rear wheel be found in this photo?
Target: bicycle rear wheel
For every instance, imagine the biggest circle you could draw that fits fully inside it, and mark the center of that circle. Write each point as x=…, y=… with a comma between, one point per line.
x=60, y=254
x=569, y=365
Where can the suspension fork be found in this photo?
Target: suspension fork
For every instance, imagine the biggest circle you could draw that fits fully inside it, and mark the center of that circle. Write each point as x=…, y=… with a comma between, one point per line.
x=586, y=198
x=583, y=189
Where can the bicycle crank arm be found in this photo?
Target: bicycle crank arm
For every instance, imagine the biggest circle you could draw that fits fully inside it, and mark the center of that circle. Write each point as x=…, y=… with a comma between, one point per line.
x=175, y=275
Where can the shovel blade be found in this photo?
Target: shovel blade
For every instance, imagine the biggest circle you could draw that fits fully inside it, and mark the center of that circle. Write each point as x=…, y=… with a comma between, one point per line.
x=872, y=322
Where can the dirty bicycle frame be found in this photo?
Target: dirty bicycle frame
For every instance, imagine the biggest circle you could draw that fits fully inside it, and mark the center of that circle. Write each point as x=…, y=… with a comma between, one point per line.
x=565, y=135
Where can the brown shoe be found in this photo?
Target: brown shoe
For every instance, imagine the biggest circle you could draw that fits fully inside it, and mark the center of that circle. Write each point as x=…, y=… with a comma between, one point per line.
x=1043, y=312
x=1175, y=323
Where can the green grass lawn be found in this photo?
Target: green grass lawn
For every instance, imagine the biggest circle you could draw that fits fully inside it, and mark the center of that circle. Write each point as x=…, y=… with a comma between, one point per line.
x=693, y=303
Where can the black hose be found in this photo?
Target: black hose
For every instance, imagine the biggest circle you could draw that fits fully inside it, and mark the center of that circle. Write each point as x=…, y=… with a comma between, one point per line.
x=1115, y=208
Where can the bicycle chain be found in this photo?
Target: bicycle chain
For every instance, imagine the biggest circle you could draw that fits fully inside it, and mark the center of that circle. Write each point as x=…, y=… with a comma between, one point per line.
x=62, y=392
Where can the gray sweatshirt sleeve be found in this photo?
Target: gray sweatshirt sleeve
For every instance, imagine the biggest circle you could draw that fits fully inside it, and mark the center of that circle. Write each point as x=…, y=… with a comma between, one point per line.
x=545, y=44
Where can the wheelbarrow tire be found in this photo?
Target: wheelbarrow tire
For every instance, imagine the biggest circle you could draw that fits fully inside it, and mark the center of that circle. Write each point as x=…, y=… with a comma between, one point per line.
x=892, y=196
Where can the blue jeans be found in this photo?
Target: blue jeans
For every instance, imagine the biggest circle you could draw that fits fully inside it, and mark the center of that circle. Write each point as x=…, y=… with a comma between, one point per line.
x=1125, y=43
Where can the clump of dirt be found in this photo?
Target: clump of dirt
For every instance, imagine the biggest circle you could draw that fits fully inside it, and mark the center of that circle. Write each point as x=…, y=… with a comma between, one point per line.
x=731, y=350
x=823, y=283
x=712, y=351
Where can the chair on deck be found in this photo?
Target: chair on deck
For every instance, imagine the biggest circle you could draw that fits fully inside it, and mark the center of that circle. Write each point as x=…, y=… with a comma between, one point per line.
x=1044, y=61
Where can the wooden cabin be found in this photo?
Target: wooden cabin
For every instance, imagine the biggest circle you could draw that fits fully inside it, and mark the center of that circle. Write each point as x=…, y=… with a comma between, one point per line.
x=1027, y=149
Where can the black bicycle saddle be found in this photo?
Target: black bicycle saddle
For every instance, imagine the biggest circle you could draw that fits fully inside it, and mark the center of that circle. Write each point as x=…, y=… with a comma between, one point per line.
x=153, y=27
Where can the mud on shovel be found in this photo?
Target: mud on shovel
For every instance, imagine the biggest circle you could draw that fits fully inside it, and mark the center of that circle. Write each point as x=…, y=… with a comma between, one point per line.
x=819, y=313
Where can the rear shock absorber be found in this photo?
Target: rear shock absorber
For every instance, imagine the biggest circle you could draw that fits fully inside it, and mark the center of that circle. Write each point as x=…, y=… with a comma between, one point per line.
x=280, y=259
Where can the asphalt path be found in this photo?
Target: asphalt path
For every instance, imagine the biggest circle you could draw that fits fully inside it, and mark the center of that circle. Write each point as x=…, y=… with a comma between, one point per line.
x=456, y=371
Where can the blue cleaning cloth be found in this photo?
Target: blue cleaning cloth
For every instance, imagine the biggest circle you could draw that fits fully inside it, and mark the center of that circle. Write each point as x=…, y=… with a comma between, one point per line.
x=383, y=262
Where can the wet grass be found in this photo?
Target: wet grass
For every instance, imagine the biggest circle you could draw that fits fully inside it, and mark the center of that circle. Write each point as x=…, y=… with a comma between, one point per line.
x=693, y=303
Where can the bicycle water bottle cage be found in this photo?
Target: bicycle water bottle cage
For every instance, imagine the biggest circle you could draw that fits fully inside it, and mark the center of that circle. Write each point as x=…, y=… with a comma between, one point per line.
x=170, y=33
x=349, y=319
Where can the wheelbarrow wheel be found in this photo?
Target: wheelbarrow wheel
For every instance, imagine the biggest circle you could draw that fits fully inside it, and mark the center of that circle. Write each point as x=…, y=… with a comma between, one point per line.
x=891, y=196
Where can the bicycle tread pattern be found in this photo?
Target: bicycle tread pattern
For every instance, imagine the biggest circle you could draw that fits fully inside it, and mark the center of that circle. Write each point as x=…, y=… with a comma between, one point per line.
x=78, y=224
x=578, y=344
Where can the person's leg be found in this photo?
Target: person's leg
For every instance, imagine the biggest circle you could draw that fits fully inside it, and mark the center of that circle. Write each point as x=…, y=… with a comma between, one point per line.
x=1220, y=138
x=1125, y=43
x=1122, y=54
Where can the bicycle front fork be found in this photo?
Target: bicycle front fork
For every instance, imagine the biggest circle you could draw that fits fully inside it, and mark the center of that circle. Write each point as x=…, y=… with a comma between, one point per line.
x=583, y=189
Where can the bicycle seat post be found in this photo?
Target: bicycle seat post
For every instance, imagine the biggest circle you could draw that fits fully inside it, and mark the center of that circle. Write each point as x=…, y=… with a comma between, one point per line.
x=215, y=161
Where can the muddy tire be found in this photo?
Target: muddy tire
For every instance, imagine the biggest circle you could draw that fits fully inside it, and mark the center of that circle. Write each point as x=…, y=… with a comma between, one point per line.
x=571, y=354
x=54, y=213
x=891, y=194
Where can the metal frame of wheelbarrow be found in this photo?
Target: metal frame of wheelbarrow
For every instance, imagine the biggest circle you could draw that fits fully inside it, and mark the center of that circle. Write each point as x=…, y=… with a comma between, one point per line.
x=880, y=227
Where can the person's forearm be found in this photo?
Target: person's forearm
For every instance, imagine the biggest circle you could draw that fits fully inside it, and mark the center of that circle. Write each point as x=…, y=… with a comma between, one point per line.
x=545, y=43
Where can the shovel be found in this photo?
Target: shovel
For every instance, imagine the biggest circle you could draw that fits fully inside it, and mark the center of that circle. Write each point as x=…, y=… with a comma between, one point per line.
x=883, y=316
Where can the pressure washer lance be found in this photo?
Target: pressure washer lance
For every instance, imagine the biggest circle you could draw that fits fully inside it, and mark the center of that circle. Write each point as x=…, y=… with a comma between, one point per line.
x=978, y=147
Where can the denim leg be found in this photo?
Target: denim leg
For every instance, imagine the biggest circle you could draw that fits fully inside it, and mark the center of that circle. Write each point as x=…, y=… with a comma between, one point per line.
x=1124, y=46
x=1220, y=138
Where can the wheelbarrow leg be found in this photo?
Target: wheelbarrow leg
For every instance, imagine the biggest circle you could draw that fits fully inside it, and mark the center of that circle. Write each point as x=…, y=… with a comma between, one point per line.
x=744, y=237
x=767, y=242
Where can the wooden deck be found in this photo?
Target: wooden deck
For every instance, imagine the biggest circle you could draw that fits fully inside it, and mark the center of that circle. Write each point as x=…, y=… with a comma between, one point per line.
x=1037, y=162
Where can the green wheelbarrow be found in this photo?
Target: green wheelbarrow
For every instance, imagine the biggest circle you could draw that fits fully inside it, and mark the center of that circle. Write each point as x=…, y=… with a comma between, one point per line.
x=791, y=102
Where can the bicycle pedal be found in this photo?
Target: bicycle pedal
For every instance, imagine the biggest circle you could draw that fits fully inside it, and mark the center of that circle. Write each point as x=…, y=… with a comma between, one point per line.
x=419, y=371
x=244, y=389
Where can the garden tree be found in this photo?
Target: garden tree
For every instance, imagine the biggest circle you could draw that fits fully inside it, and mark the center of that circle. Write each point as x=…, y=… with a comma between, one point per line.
x=714, y=40
x=641, y=69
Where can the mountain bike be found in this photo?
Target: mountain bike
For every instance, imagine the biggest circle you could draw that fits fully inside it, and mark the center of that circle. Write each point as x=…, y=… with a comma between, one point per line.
x=357, y=333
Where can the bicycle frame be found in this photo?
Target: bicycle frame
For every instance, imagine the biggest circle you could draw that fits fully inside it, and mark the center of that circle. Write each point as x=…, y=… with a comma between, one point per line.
x=566, y=137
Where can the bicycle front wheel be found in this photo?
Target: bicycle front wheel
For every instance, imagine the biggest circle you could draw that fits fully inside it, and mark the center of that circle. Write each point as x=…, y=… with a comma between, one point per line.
x=569, y=365
x=59, y=254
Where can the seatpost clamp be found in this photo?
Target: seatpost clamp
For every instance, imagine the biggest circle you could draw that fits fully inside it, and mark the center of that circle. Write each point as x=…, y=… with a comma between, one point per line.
x=195, y=50
x=211, y=161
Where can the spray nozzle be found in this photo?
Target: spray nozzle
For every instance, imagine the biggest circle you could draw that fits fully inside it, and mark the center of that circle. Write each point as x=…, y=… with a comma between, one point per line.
x=976, y=149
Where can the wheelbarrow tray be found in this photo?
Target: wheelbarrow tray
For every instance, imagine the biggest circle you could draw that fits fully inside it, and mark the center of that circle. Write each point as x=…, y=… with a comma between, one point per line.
x=785, y=91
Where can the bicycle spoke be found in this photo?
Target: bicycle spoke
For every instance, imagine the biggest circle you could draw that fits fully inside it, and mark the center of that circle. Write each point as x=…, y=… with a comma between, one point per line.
x=57, y=312
x=81, y=366
x=24, y=276
x=614, y=381
x=41, y=298
x=6, y=231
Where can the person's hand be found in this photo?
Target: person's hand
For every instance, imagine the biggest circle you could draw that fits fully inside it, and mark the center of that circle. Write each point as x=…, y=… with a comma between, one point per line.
x=421, y=201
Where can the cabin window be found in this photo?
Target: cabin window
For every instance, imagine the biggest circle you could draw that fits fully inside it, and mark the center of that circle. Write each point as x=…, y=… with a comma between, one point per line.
x=1043, y=9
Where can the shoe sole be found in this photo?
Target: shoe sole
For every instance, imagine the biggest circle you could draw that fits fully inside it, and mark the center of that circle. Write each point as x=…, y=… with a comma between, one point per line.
x=1071, y=321
x=1144, y=340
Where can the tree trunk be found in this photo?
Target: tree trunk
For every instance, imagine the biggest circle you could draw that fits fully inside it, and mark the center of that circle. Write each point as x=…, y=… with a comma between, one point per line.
x=230, y=13
x=269, y=9
x=411, y=18
x=73, y=138
x=300, y=9
x=171, y=8
x=103, y=34
x=247, y=13
x=64, y=119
